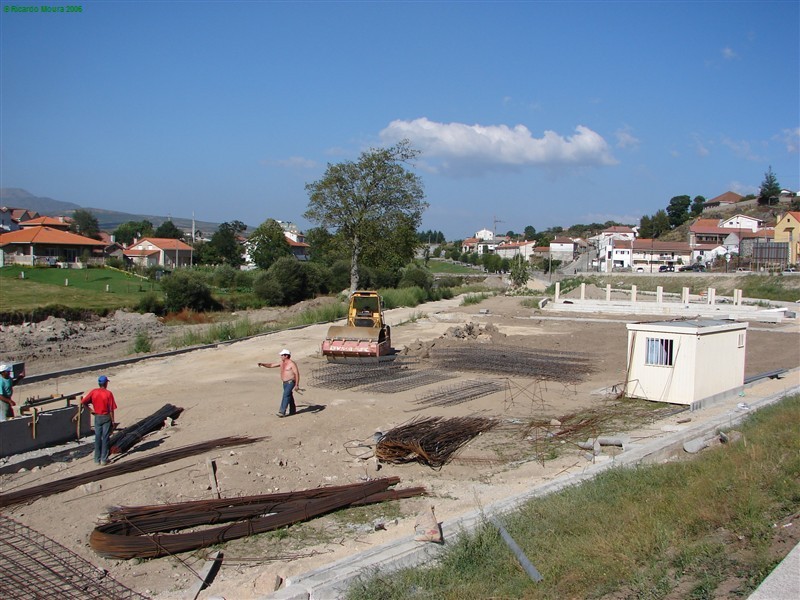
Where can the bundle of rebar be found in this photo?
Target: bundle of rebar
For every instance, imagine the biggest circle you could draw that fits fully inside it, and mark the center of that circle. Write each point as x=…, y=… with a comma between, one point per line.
x=513, y=361
x=401, y=374
x=463, y=391
x=136, y=532
x=125, y=439
x=35, y=566
x=431, y=441
x=129, y=466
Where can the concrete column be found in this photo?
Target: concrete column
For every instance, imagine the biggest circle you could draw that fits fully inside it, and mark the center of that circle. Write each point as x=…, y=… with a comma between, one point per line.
x=608, y=292
x=583, y=291
x=660, y=294
x=685, y=295
x=711, y=295
x=633, y=294
x=737, y=297
x=66, y=283
x=558, y=291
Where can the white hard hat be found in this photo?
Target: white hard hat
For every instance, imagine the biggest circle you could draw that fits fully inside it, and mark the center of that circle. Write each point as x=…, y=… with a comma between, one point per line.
x=286, y=352
x=4, y=368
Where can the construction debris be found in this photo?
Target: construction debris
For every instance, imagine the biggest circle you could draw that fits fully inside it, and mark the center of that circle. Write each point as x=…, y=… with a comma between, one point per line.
x=68, y=483
x=125, y=439
x=34, y=566
x=431, y=441
x=136, y=532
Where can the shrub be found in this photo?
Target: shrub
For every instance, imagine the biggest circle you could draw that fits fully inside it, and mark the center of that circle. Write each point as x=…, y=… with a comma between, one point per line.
x=150, y=303
x=115, y=263
x=415, y=276
x=267, y=289
x=225, y=276
x=184, y=289
x=142, y=343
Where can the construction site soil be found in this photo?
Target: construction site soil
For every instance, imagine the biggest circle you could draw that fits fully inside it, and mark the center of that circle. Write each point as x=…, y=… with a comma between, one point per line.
x=331, y=438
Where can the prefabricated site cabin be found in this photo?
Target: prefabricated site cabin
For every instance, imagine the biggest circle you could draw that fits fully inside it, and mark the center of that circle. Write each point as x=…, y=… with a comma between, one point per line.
x=685, y=362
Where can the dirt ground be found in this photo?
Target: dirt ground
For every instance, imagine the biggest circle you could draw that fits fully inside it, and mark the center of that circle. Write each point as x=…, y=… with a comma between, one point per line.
x=224, y=393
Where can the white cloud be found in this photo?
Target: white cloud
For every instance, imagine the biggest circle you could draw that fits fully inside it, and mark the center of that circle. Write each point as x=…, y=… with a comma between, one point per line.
x=742, y=149
x=728, y=53
x=471, y=148
x=790, y=137
x=625, y=139
x=700, y=147
x=297, y=162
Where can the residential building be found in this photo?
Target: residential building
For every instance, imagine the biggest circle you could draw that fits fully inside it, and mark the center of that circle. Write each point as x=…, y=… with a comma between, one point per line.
x=61, y=223
x=48, y=246
x=165, y=252
x=514, y=249
x=651, y=254
x=742, y=222
x=10, y=218
x=563, y=249
x=721, y=201
x=787, y=231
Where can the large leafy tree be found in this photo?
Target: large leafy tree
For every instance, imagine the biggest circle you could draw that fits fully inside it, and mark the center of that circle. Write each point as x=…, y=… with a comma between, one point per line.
x=374, y=194
x=770, y=188
x=697, y=206
x=529, y=232
x=131, y=230
x=678, y=210
x=268, y=244
x=520, y=271
x=224, y=246
x=85, y=223
x=168, y=229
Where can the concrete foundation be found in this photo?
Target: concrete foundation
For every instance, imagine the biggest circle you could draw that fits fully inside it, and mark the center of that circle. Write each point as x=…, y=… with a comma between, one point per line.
x=42, y=429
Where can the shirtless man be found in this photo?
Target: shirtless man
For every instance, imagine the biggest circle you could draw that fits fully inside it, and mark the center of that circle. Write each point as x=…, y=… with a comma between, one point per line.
x=290, y=375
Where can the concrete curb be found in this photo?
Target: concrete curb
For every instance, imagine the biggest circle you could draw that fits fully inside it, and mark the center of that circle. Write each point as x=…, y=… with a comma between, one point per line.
x=331, y=581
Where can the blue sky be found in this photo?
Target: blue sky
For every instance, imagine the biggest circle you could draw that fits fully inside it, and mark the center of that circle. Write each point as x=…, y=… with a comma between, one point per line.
x=530, y=113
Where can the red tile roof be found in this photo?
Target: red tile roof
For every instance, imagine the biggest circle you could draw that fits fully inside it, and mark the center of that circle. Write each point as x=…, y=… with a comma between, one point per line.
x=47, y=235
x=726, y=198
x=165, y=243
x=59, y=222
x=645, y=244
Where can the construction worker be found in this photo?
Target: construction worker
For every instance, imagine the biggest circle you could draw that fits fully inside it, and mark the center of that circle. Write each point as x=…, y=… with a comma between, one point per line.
x=103, y=407
x=290, y=375
x=6, y=390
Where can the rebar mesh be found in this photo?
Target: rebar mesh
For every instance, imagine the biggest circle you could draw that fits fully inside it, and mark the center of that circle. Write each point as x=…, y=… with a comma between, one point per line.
x=514, y=361
x=384, y=378
x=32, y=566
x=458, y=393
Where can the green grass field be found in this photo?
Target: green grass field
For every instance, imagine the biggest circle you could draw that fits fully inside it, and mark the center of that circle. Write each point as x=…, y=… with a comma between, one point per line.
x=440, y=266
x=79, y=288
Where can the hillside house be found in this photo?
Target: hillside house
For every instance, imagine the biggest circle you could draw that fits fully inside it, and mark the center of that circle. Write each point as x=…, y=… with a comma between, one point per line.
x=722, y=201
x=40, y=246
x=563, y=249
x=742, y=223
x=513, y=249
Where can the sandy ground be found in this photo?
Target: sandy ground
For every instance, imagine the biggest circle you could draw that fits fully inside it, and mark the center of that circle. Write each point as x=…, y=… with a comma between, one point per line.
x=224, y=393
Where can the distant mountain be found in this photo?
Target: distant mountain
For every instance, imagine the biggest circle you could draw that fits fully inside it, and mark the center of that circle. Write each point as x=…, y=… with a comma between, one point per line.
x=108, y=220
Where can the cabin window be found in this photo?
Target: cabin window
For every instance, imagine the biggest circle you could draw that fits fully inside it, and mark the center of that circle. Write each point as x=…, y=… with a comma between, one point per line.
x=659, y=352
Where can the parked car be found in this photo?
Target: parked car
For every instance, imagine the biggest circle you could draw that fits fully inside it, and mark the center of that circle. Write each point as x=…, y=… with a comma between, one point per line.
x=743, y=270
x=789, y=271
x=697, y=268
x=640, y=269
x=666, y=269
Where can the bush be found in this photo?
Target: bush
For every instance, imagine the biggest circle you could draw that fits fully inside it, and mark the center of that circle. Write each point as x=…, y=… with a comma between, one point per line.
x=225, y=277
x=150, y=303
x=292, y=279
x=115, y=263
x=142, y=343
x=185, y=289
x=415, y=276
x=267, y=289
x=245, y=279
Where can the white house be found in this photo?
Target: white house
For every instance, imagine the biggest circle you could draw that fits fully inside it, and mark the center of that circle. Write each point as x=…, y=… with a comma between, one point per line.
x=685, y=362
x=165, y=252
x=513, y=249
x=563, y=248
x=484, y=234
x=742, y=222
